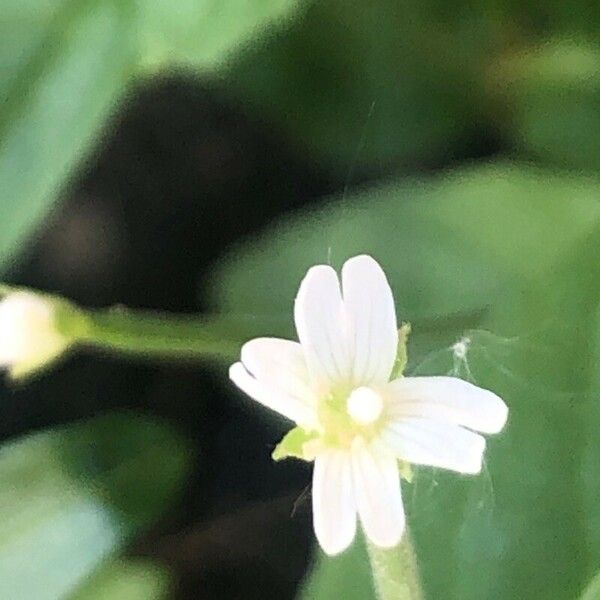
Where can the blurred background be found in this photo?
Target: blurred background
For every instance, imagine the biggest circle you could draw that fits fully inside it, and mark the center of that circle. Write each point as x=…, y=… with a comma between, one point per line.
x=197, y=155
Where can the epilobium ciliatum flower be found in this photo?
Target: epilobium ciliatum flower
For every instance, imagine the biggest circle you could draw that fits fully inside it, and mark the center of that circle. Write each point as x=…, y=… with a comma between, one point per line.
x=30, y=332
x=358, y=421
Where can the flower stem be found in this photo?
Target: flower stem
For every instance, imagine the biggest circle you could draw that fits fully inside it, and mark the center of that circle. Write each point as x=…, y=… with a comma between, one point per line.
x=162, y=335
x=395, y=572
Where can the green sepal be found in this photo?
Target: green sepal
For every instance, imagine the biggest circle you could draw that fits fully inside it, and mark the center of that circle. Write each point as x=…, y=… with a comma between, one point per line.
x=406, y=471
x=71, y=321
x=402, y=352
x=6, y=289
x=69, y=325
x=292, y=444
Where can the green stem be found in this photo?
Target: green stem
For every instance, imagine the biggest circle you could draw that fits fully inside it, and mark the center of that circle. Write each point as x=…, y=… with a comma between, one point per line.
x=163, y=335
x=395, y=572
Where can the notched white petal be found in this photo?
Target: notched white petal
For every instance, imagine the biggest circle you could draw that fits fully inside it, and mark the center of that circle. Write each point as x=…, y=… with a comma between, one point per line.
x=280, y=364
x=378, y=496
x=321, y=325
x=288, y=406
x=334, y=509
x=448, y=399
x=372, y=325
x=436, y=444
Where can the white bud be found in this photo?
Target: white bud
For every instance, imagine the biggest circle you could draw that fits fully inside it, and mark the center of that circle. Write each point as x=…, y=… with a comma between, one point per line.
x=29, y=337
x=364, y=405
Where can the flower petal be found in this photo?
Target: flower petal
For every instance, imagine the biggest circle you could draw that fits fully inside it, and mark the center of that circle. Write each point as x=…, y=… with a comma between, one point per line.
x=279, y=364
x=448, y=399
x=373, y=330
x=378, y=497
x=444, y=445
x=289, y=406
x=321, y=325
x=334, y=510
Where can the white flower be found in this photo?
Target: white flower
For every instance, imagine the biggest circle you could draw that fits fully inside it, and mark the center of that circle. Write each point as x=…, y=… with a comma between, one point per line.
x=29, y=337
x=355, y=423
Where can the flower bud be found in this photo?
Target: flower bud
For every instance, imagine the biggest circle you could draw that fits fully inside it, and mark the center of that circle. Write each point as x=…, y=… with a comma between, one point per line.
x=30, y=338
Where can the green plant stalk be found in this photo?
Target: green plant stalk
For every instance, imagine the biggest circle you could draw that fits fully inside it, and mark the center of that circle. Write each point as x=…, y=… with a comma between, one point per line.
x=394, y=571
x=162, y=335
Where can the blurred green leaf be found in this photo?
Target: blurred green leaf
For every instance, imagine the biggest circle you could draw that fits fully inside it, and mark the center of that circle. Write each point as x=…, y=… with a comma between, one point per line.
x=64, y=65
x=369, y=84
x=71, y=497
x=547, y=98
x=448, y=245
x=518, y=249
x=202, y=33
x=126, y=580
x=542, y=498
x=381, y=81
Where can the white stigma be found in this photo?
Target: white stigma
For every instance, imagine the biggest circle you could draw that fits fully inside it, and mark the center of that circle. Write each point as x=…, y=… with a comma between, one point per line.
x=364, y=405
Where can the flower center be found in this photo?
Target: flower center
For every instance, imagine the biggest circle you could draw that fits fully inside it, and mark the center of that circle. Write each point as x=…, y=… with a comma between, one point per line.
x=364, y=405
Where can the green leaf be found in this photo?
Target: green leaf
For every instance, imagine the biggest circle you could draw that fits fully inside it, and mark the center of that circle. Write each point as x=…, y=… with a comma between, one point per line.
x=447, y=244
x=64, y=65
x=72, y=497
x=402, y=352
x=126, y=580
x=201, y=33
x=551, y=91
x=541, y=363
x=363, y=79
